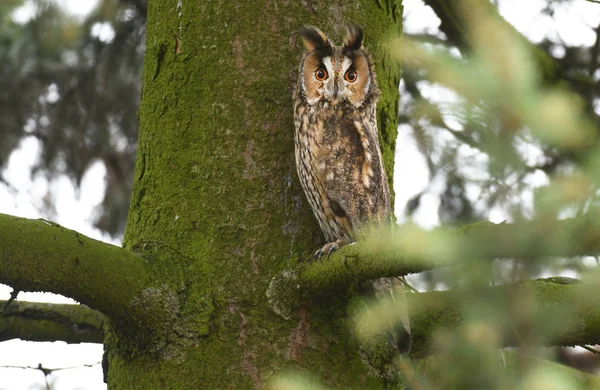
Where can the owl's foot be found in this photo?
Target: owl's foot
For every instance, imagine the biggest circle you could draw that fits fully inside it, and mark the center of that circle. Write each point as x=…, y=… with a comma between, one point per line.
x=329, y=248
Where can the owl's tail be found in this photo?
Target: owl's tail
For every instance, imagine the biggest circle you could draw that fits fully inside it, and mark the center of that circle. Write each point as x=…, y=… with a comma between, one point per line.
x=398, y=333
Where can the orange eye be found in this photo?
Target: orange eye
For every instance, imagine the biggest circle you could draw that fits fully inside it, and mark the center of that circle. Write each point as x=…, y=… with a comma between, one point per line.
x=351, y=76
x=321, y=74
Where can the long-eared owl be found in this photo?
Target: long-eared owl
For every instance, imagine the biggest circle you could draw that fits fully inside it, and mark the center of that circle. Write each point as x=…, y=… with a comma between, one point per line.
x=337, y=148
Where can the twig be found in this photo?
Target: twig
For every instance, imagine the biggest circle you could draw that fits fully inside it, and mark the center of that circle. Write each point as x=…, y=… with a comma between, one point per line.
x=406, y=284
x=48, y=371
x=13, y=296
x=590, y=349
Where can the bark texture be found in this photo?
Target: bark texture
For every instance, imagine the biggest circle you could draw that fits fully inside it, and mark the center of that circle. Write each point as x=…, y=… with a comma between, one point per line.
x=34, y=321
x=217, y=208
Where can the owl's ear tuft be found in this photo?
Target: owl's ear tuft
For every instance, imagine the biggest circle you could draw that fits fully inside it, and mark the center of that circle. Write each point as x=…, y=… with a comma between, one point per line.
x=314, y=39
x=354, y=37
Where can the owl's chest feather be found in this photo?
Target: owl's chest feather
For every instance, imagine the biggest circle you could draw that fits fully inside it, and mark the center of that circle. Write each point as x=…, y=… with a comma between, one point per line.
x=329, y=134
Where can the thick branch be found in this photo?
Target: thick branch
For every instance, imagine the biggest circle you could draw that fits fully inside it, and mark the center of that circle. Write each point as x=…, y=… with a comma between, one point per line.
x=571, y=311
x=37, y=255
x=432, y=366
x=411, y=250
x=34, y=321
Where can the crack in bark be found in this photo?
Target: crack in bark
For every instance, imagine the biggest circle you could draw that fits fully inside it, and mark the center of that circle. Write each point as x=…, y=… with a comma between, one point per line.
x=249, y=356
x=298, y=337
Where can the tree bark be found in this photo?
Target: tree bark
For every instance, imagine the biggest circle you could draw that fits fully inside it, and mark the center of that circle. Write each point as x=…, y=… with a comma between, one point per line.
x=34, y=321
x=217, y=207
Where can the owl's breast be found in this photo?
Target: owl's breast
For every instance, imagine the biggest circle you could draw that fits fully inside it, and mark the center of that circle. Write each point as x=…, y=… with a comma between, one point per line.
x=340, y=146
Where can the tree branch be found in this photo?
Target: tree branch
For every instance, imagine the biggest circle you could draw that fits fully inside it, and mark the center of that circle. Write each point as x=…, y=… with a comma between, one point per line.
x=13, y=295
x=408, y=250
x=34, y=321
x=37, y=255
x=454, y=16
x=574, y=320
x=590, y=349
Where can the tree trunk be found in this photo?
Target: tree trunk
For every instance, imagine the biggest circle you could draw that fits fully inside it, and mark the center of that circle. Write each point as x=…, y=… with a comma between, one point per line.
x=217, y=209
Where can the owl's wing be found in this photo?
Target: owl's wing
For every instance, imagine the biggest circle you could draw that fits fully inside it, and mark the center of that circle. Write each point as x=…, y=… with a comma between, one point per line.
x=374, y=178
x=355, y=181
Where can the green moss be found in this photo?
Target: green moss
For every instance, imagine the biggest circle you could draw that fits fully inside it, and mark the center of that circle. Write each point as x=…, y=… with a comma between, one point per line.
x=217, y=208
x=55, y=259
x=50, y=322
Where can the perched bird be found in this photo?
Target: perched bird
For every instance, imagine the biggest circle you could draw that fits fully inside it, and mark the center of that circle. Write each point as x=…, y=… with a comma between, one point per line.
x=337, y=148
x=338, y=156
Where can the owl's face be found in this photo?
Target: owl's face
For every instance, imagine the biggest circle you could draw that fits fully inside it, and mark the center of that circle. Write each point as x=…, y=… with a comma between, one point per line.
x=336, y=75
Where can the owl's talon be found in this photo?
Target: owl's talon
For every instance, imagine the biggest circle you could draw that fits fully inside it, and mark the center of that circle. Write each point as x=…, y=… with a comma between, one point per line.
x=327, y=249
x=317, y=255
x=334, y=247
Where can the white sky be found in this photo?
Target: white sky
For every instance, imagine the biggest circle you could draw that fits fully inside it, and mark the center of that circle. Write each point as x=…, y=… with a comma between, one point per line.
x=572, y=25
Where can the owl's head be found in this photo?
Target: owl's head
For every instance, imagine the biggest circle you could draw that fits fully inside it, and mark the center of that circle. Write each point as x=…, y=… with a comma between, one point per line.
x=336, y=75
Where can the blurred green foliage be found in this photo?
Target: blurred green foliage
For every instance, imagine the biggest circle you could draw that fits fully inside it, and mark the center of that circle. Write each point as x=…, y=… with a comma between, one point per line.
x=478, y=155
x=501, y=97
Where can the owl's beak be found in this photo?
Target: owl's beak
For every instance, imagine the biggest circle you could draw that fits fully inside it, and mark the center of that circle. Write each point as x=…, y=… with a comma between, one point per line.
x=336, y=91
x=333, y=92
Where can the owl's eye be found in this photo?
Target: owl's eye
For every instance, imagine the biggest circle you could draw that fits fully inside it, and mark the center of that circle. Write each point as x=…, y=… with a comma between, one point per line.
x=351, y=76
x=321, y=74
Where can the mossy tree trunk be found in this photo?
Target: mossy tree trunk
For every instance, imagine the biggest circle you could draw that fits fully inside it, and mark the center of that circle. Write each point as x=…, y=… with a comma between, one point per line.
x=217, y=208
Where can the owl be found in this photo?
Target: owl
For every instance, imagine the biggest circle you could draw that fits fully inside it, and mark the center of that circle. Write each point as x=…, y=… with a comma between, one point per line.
x=337, y=151
x=337, y=148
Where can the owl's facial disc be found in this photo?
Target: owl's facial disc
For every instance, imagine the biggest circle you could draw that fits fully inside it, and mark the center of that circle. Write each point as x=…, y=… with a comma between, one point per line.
x=338, y=75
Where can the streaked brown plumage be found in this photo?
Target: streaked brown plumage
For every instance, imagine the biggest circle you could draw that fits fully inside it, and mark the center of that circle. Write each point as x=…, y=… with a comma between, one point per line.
x=337, y=146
